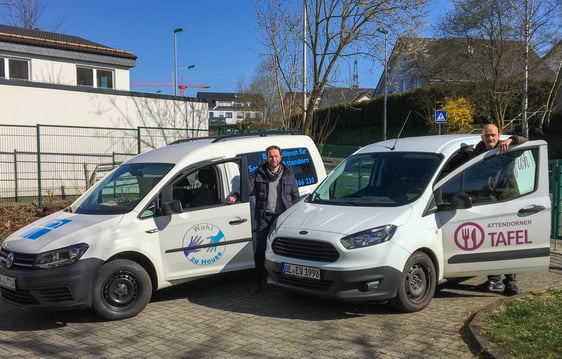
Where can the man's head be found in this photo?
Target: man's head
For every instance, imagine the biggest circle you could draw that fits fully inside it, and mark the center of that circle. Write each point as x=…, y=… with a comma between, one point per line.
x=273, y=154
x=490, y=135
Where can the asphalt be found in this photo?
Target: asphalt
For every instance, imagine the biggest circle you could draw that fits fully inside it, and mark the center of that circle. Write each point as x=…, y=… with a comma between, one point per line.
x=219, y=318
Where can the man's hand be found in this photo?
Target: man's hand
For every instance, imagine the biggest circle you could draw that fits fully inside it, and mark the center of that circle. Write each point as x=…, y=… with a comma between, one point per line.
x=230, y=199
x=504, y=145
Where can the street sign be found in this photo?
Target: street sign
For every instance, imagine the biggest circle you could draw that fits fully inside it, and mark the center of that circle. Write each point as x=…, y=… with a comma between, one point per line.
x=440, y=116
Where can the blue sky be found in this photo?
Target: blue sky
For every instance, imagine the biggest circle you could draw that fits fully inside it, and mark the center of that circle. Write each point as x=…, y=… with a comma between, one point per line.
x=220, y=38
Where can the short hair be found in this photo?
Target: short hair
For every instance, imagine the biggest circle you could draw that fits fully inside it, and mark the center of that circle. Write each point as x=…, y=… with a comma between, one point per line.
x=272, y=147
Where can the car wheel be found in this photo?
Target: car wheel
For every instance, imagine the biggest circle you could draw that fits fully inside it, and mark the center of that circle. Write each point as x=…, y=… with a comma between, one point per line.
x=417, y=285
x=122, y=289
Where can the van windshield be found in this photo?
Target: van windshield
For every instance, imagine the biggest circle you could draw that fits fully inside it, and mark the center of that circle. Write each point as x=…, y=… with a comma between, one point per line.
x=121, y=190
x=384, y=179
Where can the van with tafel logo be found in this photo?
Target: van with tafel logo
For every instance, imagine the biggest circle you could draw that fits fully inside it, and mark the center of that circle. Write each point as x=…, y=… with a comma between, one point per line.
x=398, y=217
x=158, y=220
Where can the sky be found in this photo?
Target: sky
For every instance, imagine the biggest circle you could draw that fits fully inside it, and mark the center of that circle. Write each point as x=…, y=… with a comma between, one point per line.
x=220, y=37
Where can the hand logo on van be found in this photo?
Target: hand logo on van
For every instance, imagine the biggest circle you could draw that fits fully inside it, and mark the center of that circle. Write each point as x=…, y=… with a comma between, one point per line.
x=204, y=235
x=469, y=236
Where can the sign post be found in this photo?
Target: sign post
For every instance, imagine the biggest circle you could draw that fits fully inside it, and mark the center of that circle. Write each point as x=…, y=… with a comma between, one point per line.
x=440, y=117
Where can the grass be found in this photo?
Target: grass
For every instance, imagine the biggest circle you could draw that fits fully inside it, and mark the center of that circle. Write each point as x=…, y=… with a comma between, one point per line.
x=529, y=327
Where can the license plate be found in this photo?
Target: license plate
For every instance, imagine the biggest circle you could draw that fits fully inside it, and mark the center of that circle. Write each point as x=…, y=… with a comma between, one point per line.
x=7, y=282
x=300, y=271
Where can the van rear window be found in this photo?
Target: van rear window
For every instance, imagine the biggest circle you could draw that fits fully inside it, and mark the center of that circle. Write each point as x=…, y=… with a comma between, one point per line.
x=298, y=159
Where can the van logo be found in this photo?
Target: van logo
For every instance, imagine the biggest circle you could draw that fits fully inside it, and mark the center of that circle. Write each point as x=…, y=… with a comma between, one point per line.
x=469, y=236
x=10, y=260
x=303, y=232
x=204, y=244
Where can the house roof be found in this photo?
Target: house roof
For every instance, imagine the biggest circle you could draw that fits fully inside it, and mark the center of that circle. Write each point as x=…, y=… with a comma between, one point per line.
x=465, y=59
x=336, y=95
x=554, y=56
x=19, y=35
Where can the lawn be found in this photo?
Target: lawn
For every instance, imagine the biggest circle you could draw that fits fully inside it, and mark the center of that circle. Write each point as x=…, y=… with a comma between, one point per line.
x=529, y=327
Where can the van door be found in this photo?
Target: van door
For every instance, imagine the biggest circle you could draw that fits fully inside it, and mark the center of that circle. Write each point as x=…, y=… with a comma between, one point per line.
x=206, y=235
x=507, y=228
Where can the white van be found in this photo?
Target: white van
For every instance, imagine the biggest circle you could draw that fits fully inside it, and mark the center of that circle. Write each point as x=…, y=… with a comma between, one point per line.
x=158, y=220
x=397, y=217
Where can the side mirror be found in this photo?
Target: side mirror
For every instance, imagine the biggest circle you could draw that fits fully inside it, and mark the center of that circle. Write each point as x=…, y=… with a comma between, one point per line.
x=172, y=207
x=460, y=200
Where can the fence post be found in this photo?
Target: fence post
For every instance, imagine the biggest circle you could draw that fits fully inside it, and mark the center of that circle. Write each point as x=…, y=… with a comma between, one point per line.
x=39, y=190
x=138, y=140
x=16, y=196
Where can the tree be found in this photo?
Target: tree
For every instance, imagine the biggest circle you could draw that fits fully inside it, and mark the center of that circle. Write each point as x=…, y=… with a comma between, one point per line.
x=328, y=31
x=459, y=114
x=25, y=13
x=503, y=65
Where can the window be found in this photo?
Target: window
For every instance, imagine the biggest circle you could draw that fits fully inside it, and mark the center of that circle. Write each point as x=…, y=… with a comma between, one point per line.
x=14, y=69
x=496, y=179
x=105, y=79
x=298, y=159
x=229, y=115
x=85, y=77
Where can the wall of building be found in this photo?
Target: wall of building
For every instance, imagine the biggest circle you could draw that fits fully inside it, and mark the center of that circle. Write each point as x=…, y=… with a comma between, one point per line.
x=27, y=103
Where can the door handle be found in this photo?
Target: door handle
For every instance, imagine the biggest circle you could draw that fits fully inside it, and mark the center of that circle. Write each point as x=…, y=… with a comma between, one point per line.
x=237, y=221
x=533, y=209
x=153, y=230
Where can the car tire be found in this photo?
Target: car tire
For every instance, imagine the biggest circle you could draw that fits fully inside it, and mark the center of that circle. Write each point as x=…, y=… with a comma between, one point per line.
x=122, y=289
x=417, y=285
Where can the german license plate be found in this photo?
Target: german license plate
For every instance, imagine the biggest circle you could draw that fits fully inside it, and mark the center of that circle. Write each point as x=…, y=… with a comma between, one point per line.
x=300, y=271
x=7, y=282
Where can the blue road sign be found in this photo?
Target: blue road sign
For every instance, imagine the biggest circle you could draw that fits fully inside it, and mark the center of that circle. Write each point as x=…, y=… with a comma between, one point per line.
x=440, y=116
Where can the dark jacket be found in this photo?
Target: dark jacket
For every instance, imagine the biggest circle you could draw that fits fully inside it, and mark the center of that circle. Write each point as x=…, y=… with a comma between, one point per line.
x=481, y=147
x=258, y=186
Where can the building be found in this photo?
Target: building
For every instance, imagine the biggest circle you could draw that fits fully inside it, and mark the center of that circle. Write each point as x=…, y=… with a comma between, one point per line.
x=227, y=108
x=52, y=78
x=338, y=95
x=421, y=62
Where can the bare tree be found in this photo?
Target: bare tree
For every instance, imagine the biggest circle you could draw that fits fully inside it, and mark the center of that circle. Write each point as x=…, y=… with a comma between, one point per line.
x=25, y=13
x=502, y=62
x=335, y=30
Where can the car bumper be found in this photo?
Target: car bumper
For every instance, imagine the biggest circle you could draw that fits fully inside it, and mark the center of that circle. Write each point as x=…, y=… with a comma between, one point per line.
x=373, y=284
x=66, y=287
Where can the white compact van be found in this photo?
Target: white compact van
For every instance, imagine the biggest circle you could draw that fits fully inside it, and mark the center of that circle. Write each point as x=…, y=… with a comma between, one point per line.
x=158, y=220
x=397, y=217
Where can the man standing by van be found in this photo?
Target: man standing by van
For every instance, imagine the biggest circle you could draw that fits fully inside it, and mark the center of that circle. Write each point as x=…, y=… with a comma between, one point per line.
x=490, y=140
x=275, y=188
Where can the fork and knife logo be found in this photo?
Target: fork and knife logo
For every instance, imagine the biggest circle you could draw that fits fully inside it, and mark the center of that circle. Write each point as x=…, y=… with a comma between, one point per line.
x=469, y=236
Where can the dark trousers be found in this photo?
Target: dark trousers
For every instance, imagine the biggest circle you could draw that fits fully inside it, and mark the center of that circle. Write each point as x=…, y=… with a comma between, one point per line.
x=263, y=228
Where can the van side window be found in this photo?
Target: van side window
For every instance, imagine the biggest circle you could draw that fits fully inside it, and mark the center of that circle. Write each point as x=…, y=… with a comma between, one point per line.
x=298, y=159
x=496, y=179
x=197, y=188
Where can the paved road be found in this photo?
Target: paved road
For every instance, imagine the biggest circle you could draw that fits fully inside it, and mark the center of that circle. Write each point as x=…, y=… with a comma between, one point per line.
x=218, y=318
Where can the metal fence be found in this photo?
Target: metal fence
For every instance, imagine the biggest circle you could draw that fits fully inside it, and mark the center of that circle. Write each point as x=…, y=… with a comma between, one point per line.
x=62, y=161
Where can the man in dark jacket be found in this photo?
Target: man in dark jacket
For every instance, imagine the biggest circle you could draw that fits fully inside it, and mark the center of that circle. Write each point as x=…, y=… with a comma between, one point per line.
x=491, y=140
x=275, y=188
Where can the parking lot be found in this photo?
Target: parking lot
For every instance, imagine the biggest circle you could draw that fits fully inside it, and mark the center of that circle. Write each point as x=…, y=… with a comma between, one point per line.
x=219, y=318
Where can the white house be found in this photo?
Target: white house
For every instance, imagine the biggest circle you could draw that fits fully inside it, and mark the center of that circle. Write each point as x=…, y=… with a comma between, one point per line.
x=52, y=78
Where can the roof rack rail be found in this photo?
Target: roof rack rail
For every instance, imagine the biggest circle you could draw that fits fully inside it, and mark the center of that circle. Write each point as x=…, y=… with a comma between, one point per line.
x=256, y=134
x=191, y=139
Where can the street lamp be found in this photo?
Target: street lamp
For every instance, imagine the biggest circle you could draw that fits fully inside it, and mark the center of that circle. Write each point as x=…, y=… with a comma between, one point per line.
x=385, y=32
x=175, y=77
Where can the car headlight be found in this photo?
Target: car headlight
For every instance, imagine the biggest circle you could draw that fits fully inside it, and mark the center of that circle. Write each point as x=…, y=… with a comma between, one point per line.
x=369, y=237
x=60, y=257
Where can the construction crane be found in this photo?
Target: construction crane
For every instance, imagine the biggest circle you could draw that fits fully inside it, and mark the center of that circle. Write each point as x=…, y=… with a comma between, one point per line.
x=181, y=86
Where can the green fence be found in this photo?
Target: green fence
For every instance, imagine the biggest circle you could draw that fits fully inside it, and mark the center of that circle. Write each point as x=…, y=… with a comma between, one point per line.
x=61, y=161
x=556, y=190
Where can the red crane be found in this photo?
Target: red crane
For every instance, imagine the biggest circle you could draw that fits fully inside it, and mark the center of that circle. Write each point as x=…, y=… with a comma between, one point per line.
x=181, y=87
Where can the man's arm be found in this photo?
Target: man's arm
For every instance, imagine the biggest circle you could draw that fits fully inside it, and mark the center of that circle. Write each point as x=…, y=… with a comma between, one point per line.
x=512, y=140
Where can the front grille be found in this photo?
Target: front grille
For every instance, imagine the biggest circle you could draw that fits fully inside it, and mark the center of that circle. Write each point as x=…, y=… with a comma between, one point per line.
x=305, y=249
x=18, y=296
x=307, y=283
x=20, y=259
x=37, y=296
x=53, y=295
